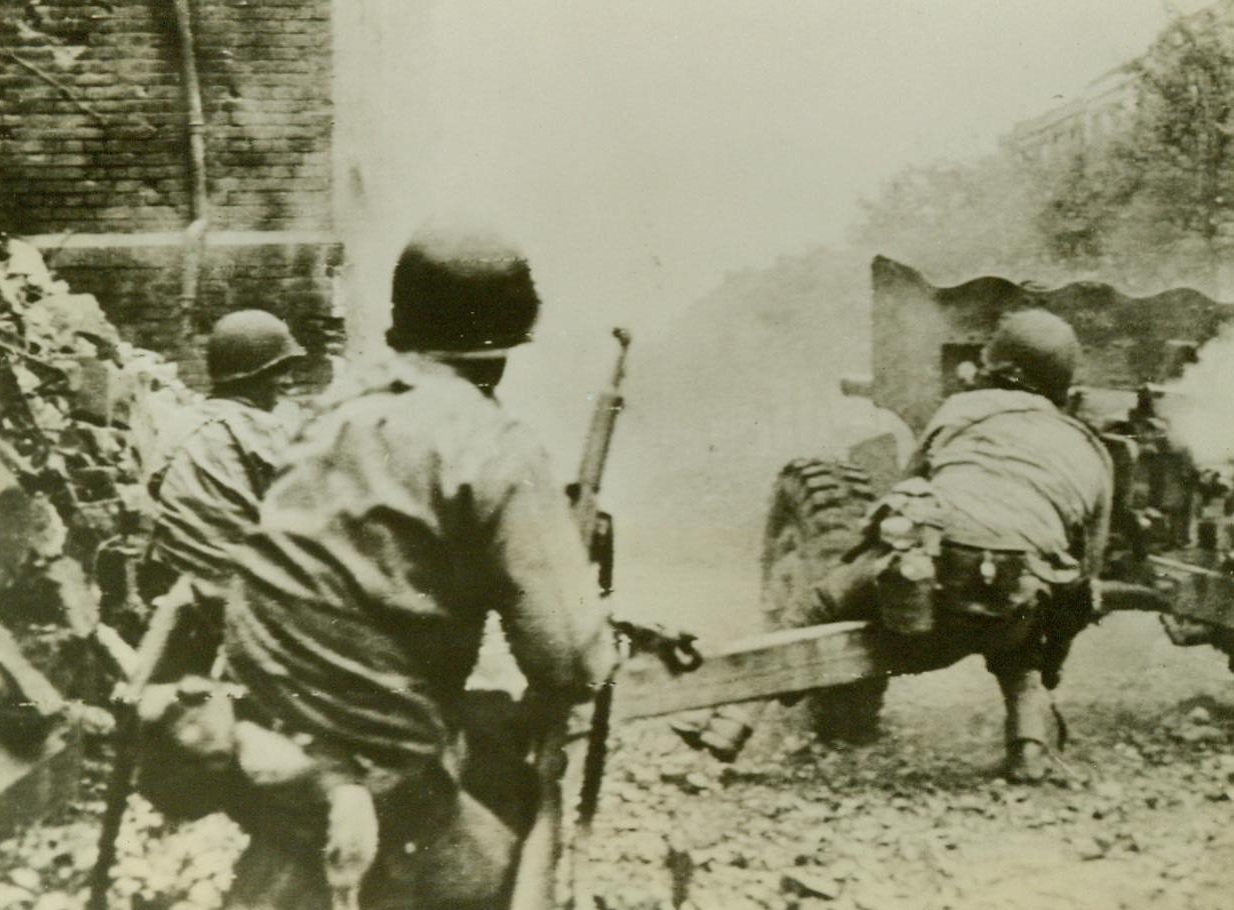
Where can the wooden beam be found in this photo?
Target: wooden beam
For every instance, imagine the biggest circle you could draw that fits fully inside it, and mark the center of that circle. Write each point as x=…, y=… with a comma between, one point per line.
x=751, y=669
x=1176, y=587
x=818, y=657
x=1196, y=592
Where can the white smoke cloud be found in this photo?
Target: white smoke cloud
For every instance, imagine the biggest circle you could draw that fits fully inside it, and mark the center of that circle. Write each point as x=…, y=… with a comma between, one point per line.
x=640, y=152
x=1199, y=407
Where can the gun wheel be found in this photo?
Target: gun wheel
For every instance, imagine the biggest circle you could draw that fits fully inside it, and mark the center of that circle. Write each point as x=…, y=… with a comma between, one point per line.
x=816, y=516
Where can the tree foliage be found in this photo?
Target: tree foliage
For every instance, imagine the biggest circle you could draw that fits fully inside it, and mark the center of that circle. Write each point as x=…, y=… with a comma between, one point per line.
x=956, y=220
x=1183, y=125
x=1150, y=203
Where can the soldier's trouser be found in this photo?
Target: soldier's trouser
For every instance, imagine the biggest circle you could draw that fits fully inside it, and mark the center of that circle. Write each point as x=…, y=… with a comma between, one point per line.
x=439, y=849
x=1011, y=644
x=1028, y=706
x=1011, y=647
x=437, y=846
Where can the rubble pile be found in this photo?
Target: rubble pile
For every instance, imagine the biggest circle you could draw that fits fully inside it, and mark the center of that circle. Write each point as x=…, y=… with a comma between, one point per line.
x=83, y=418
x=160, y=865
x=1137, y=816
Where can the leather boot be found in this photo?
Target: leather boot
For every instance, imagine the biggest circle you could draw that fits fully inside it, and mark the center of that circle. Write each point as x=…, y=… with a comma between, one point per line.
x=1027, y=762
x=722, y=732
x=1028, y=719
x=727, y=732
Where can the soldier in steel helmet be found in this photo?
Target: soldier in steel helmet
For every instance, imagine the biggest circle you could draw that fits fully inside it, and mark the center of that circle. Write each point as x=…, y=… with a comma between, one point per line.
x=991, y=542
x=208, y=488
x=411, y=506
x=992, y=546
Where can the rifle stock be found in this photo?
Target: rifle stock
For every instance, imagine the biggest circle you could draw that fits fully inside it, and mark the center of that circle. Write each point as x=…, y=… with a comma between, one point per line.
x=142, y=664
x=536, y=878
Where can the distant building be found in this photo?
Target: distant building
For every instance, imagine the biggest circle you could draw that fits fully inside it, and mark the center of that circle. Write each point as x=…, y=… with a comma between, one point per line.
x=1085, y=121
x=1097, y=111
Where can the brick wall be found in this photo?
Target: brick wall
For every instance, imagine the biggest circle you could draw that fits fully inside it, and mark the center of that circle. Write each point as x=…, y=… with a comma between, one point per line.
x=103, y=153
x=265, y=78
x=295, y=281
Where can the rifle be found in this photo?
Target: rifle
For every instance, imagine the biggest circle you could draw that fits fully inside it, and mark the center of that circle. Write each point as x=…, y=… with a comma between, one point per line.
x=599, y=440
x=141, y=666
x=535, y=881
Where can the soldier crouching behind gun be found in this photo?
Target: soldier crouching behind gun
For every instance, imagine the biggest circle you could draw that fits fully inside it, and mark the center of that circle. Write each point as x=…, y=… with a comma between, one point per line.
x=410, y=506
x=990, y=544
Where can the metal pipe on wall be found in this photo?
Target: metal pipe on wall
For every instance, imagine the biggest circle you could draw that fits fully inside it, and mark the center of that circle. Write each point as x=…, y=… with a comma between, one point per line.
x=195, y=234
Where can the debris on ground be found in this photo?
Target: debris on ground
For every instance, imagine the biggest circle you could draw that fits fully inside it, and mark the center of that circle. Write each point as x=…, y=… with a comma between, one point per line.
x=1135, y=814
x=1138, y=817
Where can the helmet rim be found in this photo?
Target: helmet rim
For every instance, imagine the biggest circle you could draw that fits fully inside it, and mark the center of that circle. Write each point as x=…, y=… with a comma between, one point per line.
x=1035, y=350
x=246, y=343
x=469, y=295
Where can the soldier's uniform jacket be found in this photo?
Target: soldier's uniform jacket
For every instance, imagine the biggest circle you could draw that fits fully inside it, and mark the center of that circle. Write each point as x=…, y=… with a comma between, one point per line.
x=409, y=508
x=209, y=489
x=1012, y=472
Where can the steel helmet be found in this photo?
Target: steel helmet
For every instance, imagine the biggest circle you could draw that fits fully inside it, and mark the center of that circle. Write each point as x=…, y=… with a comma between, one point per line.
x=247, y=342
x=461, y=293
x=1034, y=350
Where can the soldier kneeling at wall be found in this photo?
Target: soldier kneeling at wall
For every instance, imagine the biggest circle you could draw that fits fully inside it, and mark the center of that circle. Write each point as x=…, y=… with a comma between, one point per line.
x=210, y=483
x=404, y=512
x=991, y=542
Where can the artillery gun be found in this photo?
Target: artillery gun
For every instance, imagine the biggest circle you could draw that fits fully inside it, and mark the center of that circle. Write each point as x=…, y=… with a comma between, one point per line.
x=1171, y=528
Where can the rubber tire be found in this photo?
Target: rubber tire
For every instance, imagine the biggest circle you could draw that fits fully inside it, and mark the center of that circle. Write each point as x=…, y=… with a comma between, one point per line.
x=817, y=510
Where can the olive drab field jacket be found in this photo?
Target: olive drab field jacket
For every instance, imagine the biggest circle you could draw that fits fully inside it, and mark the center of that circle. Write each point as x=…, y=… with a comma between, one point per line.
x=208, y=489
x=1012, y=472
x=409, y=508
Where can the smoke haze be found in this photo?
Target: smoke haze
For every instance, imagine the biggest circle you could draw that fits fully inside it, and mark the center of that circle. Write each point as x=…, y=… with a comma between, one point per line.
x=1200, y=407
x=647, y=154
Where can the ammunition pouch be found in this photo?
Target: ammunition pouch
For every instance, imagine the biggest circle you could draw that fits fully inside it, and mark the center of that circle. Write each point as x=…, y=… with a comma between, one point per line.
x=997, y=585
x=920, y=576
x=907, y=527
x=906, y=587
x=918, y=590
